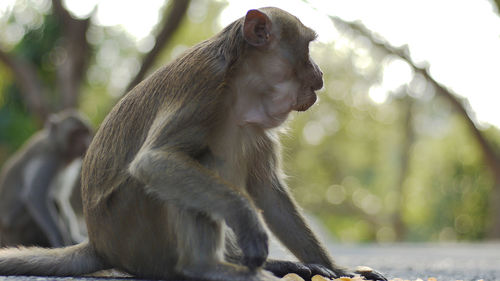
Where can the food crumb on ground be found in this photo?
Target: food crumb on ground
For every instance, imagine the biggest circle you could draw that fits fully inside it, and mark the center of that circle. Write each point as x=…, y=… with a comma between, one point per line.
x=319, y=278
x=295, y=277
x=292, y=277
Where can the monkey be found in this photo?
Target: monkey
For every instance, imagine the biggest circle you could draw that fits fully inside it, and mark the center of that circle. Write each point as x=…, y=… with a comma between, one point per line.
x=66, y=193
x=28, y=215
x=185, y=171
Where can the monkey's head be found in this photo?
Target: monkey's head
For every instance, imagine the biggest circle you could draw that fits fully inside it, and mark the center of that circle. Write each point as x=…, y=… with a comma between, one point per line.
x=278, y=68
x=71, y=132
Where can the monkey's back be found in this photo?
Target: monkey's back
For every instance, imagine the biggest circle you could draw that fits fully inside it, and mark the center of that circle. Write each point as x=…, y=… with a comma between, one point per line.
x=106, y=182
x=188, y=84
x=126, y=127
x=179, y=95
x=12, y=175
x=115, y=144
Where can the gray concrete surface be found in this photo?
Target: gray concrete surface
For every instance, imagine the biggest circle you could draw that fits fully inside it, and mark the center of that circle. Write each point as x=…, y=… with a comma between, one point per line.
x=462, y=261
x=412, y=261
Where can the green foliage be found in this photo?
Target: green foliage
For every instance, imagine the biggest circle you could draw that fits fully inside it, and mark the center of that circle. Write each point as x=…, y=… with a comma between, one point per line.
x=39, y=43
x=199, y=25
x=115, y=52
x=114, y=61
x=16, y=123
x=345, y=156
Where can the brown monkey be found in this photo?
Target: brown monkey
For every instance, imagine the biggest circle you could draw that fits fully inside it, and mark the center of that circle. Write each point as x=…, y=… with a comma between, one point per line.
x=27, y=212
x=181, y=171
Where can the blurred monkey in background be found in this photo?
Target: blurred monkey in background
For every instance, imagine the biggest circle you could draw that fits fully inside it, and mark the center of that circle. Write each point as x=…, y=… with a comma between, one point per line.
x=28, y=212
x=67, y=195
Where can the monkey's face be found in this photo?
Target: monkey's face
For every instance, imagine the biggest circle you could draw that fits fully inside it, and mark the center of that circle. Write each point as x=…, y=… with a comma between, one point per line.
x=292, y=46
x=79, y=140
x=72, y=135
x=277, y=76
x=270, y=87
x=312, y=80
x=293, y=82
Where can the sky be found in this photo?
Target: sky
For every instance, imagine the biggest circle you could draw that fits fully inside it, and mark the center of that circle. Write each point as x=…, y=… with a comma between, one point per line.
x=459, y=39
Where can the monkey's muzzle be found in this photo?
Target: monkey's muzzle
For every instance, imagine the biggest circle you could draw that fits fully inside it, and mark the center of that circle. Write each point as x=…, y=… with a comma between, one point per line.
x=306, y=102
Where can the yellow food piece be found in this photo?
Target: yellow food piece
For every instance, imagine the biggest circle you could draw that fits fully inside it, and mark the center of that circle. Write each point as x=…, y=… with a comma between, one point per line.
x=362, y=268
x=344, y=278
x=292, y=277
x=319, y=278
x=431, y=279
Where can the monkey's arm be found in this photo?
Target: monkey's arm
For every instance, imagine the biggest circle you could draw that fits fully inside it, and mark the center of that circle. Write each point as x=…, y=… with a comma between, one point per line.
x=35, y=196
x=283, y=217
x=67, y=182
x=175, y=177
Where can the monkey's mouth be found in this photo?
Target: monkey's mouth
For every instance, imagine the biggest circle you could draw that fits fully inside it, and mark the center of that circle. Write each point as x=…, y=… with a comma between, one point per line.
x=306, y=102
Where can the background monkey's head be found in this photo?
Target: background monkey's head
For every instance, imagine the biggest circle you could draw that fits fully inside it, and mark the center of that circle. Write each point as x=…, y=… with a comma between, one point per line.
x=71, y=133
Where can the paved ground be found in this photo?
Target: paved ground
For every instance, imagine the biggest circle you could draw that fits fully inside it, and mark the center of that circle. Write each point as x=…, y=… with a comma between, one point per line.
x=406, y=261
x=412, y=261
x=451, y=261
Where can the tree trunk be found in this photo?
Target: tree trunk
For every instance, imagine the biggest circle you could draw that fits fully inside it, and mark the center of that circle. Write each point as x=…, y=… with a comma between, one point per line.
x=404, y=160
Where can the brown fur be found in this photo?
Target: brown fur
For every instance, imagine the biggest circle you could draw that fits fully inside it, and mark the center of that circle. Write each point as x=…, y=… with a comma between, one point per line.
x=185, y=167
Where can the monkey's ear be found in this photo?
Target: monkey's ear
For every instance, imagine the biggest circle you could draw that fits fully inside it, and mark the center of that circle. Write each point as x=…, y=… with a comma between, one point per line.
x=51, y=123
x=257, y=28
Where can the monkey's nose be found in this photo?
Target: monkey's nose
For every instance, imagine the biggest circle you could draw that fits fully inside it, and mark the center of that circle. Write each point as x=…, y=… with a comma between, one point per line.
x=317, y=77
x=318, y=83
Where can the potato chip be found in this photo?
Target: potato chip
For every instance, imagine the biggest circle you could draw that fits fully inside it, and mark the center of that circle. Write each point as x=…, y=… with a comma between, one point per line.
x=319, y=278
x=292, y=277
x=363, y=268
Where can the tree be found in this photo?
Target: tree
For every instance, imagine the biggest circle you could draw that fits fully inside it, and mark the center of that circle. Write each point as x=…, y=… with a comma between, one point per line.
x=491, y=158
x=70, y=45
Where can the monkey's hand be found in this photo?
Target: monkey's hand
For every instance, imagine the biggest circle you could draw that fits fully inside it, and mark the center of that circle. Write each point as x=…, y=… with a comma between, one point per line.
x=369, y=273
x=255, y=247
x=306, y=271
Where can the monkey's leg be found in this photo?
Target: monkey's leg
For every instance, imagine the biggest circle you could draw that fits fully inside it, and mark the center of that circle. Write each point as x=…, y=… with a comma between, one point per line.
x=24, y=232
x=63, y=187
x=35, y=196
x=173, y=176
x=200, y=247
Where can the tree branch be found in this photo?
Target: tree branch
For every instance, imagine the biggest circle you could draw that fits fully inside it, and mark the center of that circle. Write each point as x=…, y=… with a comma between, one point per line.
x=460, y=105
x=171, y=22
x=61, y=12
x=72, y=70
x=490, y=156
x=26, y=77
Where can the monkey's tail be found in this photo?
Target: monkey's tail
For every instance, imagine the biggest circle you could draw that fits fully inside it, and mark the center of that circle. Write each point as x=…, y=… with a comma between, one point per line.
x=69, y=261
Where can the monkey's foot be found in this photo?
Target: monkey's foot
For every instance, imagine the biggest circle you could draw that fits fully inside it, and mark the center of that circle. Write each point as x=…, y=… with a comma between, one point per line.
x=226, y=272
